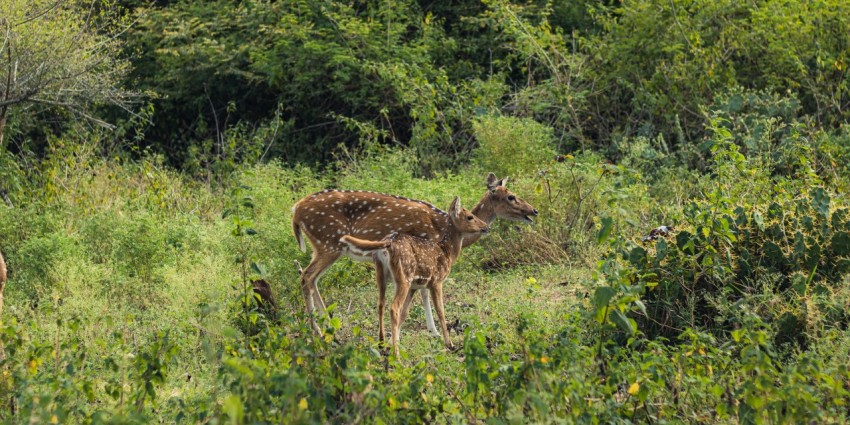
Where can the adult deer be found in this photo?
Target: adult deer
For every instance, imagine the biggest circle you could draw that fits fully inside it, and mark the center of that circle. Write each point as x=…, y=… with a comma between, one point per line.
x=415, y=263
x=325, y=216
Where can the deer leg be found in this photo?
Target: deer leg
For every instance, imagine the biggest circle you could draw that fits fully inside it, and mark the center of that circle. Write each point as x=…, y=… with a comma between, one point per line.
x=402, y=291
x=437, y=294
x=317, y=299
x=317, y=266
x=382, y=295
x=406, y=309
x=429, y=317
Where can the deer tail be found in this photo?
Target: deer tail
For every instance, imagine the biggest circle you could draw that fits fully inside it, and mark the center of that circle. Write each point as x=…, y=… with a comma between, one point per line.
x=363, y=246
x=296, y=230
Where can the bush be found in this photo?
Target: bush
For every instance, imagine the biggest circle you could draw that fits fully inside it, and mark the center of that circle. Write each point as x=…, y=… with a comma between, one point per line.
x=753, y=241
x=36, y=262
x=512, y=147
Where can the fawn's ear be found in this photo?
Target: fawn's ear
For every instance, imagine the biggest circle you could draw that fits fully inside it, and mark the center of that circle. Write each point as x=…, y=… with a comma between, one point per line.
x=454, y=208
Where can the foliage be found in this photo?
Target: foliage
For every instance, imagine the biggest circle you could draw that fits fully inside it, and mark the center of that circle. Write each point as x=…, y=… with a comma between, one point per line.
x=57, y=54
x=512, y=147
x=133, y=252
x=154, y=321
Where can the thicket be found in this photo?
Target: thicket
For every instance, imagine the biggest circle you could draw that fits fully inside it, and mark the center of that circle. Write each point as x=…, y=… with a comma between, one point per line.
x=298, y=80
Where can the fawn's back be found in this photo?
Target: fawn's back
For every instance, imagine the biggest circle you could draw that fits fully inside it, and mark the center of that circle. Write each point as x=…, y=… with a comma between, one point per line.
x=422, y=261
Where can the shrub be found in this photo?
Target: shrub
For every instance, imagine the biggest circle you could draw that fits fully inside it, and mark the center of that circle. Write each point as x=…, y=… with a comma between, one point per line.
x=512, y=147
x=36, y=262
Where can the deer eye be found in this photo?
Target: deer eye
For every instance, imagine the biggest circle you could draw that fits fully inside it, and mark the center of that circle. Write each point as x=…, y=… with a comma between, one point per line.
x=511, y=198
x=469, y=217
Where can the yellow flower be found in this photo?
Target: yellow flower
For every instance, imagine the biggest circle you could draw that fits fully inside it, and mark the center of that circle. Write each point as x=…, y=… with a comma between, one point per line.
x=634, y=388
x=544, y=360
x=54, y=419
x=429, y=378
x=302, y=404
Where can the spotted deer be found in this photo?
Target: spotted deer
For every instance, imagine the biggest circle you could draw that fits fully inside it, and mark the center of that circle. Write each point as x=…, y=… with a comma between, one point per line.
x=415, y=263
x=325, y=216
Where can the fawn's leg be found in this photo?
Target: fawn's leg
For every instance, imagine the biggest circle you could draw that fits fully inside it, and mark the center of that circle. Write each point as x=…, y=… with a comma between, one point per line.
x=437, y=294
x=382, y=295
x=406, y=309
x=402, y=292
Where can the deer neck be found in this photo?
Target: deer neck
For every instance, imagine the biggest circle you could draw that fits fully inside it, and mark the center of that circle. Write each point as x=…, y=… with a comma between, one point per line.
x=484, y=210
x=452, y=243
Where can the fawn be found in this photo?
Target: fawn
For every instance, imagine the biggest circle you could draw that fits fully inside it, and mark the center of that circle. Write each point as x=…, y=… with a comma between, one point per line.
x=414, y=263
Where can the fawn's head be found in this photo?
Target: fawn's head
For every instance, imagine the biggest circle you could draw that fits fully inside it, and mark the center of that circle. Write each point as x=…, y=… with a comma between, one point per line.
x=464, y=221
x=506, y=204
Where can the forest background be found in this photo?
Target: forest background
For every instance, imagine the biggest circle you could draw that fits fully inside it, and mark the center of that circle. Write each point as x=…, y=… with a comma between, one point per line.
x=150, y=154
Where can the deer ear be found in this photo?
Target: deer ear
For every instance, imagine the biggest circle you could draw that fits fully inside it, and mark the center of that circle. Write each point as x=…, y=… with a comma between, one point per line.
x=503, y=182
x=491, y=181
x=454, y=208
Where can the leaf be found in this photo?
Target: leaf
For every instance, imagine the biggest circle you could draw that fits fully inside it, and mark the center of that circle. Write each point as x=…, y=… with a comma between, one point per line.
x=248, y=202
x=641, y=306
x=685, y=242
x=637, y=256
x=623, y=321
x=258, y=269
x=605, y=231
x=774, y=253
x=820, y=201
x=840, y=244
x=601, y=298
x=660, y=249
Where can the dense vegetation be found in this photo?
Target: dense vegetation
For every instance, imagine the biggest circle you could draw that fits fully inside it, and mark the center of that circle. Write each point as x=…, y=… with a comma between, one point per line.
x=152, y=151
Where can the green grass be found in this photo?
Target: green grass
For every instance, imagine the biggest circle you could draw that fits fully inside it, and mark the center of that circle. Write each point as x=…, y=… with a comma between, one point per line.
x=102, y=269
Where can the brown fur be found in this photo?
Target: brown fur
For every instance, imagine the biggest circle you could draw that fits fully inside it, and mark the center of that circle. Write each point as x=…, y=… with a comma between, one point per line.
x=418, y=263
x=325, y=216
x=2, y=271
x=264, y=290
x=2, y=280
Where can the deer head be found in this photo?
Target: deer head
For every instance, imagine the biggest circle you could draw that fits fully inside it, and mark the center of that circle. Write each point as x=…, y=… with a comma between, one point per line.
x=464, y=222
x=501, y=202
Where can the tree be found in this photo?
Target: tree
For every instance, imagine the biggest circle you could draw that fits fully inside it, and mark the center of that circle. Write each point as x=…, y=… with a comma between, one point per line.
x=60, y=53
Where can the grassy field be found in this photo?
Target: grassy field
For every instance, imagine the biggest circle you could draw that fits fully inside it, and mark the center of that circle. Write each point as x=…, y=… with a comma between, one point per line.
x=127, y=303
